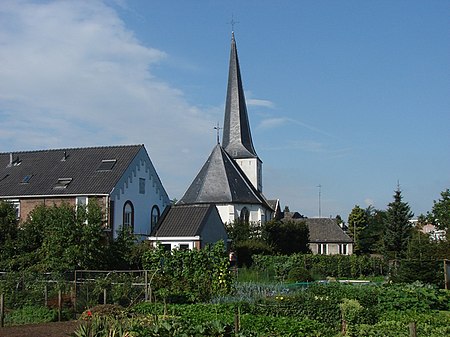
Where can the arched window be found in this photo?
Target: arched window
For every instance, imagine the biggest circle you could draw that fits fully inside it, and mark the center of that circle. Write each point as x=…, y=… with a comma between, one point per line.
x=244, y=216
x=154, y=216
x=128, y=216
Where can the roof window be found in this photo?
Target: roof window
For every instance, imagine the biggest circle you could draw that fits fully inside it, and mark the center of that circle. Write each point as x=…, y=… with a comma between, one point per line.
x=62, y=183
x=107, y=165
x=26, y=179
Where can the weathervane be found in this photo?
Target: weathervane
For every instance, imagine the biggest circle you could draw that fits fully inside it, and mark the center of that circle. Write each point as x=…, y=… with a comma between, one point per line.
x=218, y=128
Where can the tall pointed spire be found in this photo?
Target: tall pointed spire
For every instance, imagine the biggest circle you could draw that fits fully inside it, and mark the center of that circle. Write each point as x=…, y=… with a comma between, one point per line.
x=237, y=138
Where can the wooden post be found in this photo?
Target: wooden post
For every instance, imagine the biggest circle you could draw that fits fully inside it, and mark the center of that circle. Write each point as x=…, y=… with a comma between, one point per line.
x=59, y=305
x=46, y=295
x=75, y=294
x=236, y=320
x=412, y=329
x=104, y=296
x=146, y=285
x=446, y=280
x=2, y=309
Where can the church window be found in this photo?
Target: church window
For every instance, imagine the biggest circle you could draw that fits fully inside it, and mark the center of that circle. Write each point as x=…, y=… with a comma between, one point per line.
x=141, y=185
x=245, y=215
x=128, y=215
x=154, y=216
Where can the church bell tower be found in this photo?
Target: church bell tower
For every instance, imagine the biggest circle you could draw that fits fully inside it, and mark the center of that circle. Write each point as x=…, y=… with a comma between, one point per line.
x=237, y=138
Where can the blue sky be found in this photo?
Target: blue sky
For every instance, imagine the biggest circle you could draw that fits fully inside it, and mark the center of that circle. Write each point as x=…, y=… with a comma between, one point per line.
x=350, y=95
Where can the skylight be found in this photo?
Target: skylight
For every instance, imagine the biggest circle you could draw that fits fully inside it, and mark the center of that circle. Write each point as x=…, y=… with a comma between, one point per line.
x=26, y=179
x=107, y=165
x=62, y=183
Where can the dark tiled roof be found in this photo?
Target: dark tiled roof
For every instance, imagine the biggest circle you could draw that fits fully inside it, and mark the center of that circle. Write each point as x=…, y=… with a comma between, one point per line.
x=237, y=138
x=322, y=230
x=47, y=166
x=221, y=181
x=183, y=220
x=325, y=230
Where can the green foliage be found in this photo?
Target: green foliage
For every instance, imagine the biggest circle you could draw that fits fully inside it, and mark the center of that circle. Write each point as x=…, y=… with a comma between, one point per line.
x=245, y=250
x=31, y=314
x=286, y=237
x=322, y=266
x=189, y=275
x=397, y=228
x=8, y=233
x=357, y=221
x=58, y=238
x=440, y=214
x=370, y=239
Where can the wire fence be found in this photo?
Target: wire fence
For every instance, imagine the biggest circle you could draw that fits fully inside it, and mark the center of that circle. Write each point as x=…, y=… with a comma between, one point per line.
x=75, y=291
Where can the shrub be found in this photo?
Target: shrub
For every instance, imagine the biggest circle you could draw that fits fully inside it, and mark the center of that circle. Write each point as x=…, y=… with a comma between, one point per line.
x=31, y=314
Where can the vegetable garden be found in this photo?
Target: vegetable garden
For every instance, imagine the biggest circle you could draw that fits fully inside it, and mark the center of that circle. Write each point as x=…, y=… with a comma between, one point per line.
x=195, y=293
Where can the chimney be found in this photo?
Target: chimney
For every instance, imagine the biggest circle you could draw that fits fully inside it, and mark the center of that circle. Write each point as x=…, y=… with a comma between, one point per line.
x=10, y=159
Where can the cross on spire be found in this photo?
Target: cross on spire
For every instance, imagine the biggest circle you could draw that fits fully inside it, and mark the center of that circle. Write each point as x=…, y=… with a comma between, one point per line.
x=218, y=128
x=233, y=22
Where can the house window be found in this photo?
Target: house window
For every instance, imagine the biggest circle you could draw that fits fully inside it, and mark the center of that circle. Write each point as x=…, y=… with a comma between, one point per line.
x=167, y=247
x=62, y=183
x=128, y=216
x=16, y=204
x=343, y=249
x=26, y=179
x=81, y=201
x=183, y=246
x=322, y=248
x=154, y=216
x=107, y=165
x=244, y=216
x=141, y=185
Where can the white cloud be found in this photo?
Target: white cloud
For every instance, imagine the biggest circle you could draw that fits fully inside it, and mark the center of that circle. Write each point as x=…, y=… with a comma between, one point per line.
x=72, y=74
x=260, y=102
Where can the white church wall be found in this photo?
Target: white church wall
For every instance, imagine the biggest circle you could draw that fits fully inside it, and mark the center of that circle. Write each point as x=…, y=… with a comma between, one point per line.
x=141, y=186
x=252, y=168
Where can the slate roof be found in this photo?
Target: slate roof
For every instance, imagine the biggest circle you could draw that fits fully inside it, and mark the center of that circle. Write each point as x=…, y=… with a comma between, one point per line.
x=81, y=165
x=183, y=220
x=221, y=181
x=324, y=230
x=237, y=138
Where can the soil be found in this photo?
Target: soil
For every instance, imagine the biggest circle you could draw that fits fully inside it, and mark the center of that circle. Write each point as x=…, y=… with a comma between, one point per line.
x=55, y=329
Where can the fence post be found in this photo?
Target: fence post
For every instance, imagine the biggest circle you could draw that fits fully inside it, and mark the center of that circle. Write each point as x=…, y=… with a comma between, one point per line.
x=46, y=295
x=412, y=329
x=104, y=296
x=2, y=309
x=59, y=305
x=75, y=294
x=146, y=285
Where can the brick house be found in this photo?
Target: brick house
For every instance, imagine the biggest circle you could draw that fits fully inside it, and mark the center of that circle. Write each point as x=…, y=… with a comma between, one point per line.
x=121, y=178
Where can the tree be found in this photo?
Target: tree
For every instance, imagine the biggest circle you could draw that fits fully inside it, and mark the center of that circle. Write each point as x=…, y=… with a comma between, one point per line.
x=286, y=237
x=357, y=221
x=440, y=214
x=370, y=239
x=8, y=232
x=397, y=227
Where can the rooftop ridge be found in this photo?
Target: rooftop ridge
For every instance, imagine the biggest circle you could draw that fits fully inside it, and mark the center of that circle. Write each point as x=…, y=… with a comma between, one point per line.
x=72, y=148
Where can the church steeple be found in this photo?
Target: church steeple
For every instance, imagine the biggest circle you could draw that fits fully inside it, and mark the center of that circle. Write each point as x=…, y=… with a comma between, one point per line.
x=237, y=138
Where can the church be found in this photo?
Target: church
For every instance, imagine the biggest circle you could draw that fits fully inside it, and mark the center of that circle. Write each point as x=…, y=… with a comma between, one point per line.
x=231, y=178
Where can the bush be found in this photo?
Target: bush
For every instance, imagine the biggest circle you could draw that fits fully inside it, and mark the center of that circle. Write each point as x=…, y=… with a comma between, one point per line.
x=299, y=274
x=31, y=314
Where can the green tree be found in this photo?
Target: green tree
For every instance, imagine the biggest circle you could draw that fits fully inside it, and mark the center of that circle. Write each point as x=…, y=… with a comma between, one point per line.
x=397, y=227
x=286, y=237
x=440, y=214
x=371, y=236
x=8, y=233
x=357, y=221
